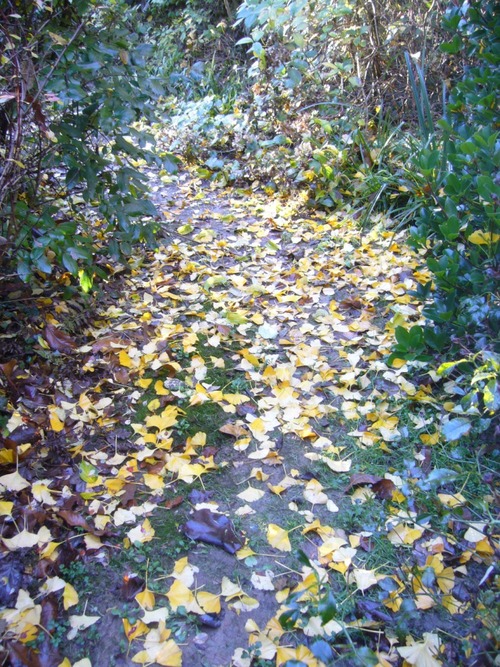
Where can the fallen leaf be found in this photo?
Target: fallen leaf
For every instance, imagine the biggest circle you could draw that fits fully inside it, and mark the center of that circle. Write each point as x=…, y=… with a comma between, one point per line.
x=58, y=340
x=213, y=528
x=278, y=537
x=422, y=654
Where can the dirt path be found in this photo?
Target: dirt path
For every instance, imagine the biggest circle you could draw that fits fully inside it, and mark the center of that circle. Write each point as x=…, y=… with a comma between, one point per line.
x=240, y=370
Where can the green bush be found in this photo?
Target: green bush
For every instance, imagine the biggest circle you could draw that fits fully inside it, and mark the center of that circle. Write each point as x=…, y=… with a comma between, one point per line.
x=458, y=227
x=459, y=224
x=73, y=83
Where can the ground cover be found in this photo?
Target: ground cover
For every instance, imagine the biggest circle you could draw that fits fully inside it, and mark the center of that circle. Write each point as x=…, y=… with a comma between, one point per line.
x=240, y=370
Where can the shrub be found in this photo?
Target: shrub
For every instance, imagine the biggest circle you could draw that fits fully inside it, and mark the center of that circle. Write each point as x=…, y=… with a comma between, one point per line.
x=72, y=85
x=458, y=226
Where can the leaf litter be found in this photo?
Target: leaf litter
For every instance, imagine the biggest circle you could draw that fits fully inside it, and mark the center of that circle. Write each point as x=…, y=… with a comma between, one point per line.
x=227, y=422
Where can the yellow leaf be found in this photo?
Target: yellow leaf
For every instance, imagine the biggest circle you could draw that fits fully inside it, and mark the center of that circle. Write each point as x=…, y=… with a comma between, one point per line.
x=403, y=534
x=184, y=571
x=301, y=654
x=430, y=439
x=114, y=485
x=229, y=589
x=251, y=358
x=245, y=603
x=146, y=599
x=364, y=578
x=55, y=423
x=263, y=582
x=58, y=39
x=209, y=602
x=143, y=533
x=278, y=537
x=422, y=654
x=483, y=238
x=179, y=595
x=125, y=360
x=313, y=493
x=70, y=597
x=6, y=456
x=41, y=492
x=49, y=549
x=474, y=532
x=453, y=605
x=13, y=482
x=153, y=482
x=78, y=623
x=169, y=655
x=251, y=494
x=167, y=418
x=134, y=630
x=154, y=405
x=160, y=389
x=6, y=507
x=25, y=540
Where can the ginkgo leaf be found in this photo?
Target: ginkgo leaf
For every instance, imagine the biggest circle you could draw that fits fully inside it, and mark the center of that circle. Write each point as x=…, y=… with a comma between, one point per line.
x=125, y=360
x=6, y=507
x=184, y=571
x=313, y=493
x=78, y=623
x=483, y=238
x=251, y=494
x=170, y=655
x=155, y=616
x=146, y=599
x=364, y=578
x=209, y=602
x=422, y=654
x=25, y=539
x=134, y=630
x=13, y=482
x=229, y=589
x=301, y=654
x=263, y=582
x=141, y=533
x=268, y=331
x=278, y=537
x=244, y=603
x=41, y=492
x=70, y=597
x=179, y=595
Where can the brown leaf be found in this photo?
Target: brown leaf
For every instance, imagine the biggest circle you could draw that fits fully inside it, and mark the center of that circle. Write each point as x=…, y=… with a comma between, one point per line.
x=8, y=368
x=107, y=343
x=58, y=340
x=213, y=528
x=384, y=489
x=121, y=375
x=209, y=451
x=366, y=543
x=174, y=502
x=131, y=585
x=20, y=436
x=22, y=656
x=351, y=303
x=236, y=430
x=50, y=610
x=77, y=521
x=360, y=478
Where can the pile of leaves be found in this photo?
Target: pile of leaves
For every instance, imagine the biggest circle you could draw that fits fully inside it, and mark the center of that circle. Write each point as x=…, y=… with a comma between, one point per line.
x=223, y=442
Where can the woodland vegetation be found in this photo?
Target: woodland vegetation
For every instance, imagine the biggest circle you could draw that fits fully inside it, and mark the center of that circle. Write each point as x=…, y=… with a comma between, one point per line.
x=370, y=130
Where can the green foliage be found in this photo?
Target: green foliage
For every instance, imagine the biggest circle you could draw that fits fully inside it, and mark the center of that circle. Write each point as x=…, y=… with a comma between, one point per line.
x=69, y=189
x=459, y=223
x=458, y=226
